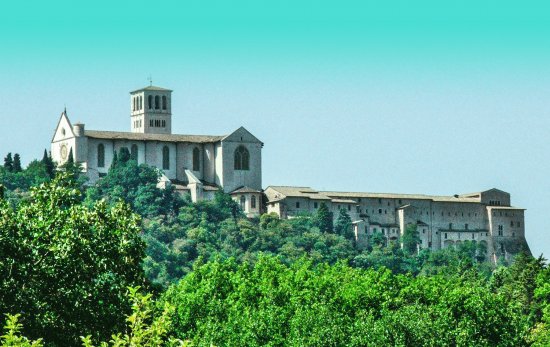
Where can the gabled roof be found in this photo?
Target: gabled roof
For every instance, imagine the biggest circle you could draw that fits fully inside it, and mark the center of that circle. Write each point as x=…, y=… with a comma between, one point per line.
x=118, y=135
x=63, y=116
x=244, y=190
x=299, y=192
x=399, y=196
x=151, y=88
x=237, y=136
x=478, y=194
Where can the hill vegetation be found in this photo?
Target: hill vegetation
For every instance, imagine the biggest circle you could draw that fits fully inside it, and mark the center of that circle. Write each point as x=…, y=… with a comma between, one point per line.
x=124, y=257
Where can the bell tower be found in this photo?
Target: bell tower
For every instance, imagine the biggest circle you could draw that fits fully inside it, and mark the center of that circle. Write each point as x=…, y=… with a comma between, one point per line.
x=151, y=110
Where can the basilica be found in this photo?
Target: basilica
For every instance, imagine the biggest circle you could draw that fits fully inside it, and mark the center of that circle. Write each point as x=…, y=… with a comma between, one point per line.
x=199, y=165
x=195, y=164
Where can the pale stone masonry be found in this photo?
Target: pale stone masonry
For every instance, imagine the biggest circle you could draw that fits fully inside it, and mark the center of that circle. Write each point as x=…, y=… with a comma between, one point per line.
x=442, y=221
x=196, y=164
x=199, y=165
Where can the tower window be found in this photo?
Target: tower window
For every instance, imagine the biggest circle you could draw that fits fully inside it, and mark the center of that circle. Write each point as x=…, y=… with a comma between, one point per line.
x=196, y=159
x=164, y=102
x=100, y=155
x=166, y=158
x=157, y=102
x=253, y=201
x=242, y=158
x=150, y=102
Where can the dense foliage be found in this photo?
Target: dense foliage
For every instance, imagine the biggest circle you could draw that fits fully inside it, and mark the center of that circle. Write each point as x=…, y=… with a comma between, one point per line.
x=65, y=267
x=69, y=252
x=305, y=305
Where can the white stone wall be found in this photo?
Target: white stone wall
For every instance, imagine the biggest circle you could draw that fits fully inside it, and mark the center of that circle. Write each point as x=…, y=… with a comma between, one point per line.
x=234, y=179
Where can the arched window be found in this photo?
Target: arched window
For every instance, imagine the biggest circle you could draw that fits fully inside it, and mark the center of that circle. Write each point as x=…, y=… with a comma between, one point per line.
x=166, y=158
x=164, y=102
x=100, y=155
x=243, y=202
x=196, y=159
x=157, y=102
x=150, y=102
x=242, y=158
x=134, y=152
x=253, y=201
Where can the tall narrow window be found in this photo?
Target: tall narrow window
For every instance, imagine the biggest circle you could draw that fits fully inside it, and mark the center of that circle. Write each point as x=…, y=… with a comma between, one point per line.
x=150, y=102
x=166, y=158
x=164, y=102
x=243, y=202
x=140, y=103
x=157, y=102
x=242, y=158
x=134, y=104
x=100, y=155
x=134, y=152
x=196, y=159
x=253, y=201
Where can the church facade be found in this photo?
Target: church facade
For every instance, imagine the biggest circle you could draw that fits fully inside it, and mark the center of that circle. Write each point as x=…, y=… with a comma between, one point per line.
x=196, y=164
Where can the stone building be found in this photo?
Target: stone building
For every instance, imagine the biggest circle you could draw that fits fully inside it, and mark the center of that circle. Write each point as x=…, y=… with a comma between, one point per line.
x=442, y=221
x=195, y=164
x=201, y=164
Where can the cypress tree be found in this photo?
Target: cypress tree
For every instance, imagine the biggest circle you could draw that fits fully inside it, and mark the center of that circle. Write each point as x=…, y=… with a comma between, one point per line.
x=17, y=163
x=8, y=163
x=70, y=161
x=48, y=163
x=124, y=155
x=114, y=164
x=343, y=225
x=323, y=219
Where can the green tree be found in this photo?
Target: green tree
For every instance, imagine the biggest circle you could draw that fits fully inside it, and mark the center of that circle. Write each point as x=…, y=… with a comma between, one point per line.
x=323, y=219
x=343, y=226
x=47, y=161
x=66, y=267
x=410, y=239
x=303, y=304
x=145, y=329
x=8, y=163
x=137, y=186
x=12, y=337
x=17, y=163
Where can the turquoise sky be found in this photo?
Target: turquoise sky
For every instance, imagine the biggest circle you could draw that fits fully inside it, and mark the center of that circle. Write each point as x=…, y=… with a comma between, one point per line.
x=436, y=97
